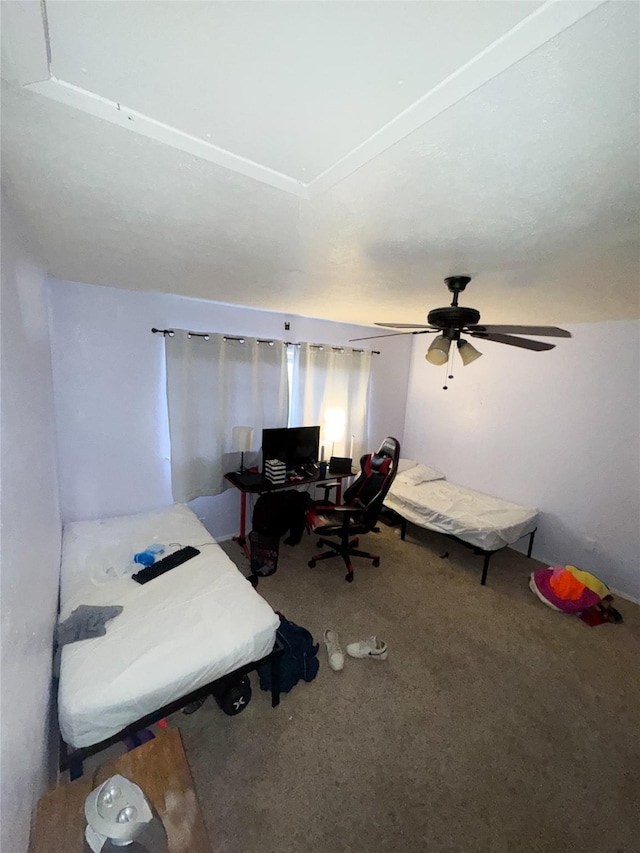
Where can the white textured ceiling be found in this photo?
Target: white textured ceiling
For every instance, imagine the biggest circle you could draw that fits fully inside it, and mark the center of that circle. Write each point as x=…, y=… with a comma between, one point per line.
x=292, y=86
x=526, y=178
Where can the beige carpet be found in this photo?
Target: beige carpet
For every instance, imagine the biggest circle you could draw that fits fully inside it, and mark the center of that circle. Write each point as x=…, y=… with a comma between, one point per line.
x=495, y=725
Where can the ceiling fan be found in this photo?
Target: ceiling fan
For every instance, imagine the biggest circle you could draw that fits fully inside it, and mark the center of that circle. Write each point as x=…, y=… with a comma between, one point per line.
x=454, y=321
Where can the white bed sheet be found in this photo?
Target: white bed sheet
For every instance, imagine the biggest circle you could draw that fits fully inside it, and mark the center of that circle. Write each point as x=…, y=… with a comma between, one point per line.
x=481, y=520
x=176, y=633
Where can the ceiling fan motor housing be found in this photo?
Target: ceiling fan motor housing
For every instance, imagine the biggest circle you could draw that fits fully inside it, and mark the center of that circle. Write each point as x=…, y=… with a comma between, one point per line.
x=454, y=317
x=457, y=283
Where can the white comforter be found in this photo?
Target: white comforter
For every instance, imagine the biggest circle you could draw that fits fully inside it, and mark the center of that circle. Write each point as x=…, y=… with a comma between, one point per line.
x=176, y=633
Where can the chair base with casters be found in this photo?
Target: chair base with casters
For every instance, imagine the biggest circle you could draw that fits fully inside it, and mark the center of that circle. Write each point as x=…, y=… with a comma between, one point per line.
x=346, y=550
x=362, y=503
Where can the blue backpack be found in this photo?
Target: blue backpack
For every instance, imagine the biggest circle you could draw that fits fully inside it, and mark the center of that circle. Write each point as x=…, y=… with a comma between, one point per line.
x=299, y=659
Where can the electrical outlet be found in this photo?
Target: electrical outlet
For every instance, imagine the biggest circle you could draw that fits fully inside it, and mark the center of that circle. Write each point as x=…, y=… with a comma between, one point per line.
x=590, y=544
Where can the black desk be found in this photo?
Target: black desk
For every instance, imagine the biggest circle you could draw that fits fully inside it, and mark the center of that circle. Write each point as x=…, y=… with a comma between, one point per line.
x=259, y=485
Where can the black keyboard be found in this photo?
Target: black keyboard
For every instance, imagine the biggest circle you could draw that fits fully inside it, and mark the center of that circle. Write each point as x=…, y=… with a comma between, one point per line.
x=165, y=564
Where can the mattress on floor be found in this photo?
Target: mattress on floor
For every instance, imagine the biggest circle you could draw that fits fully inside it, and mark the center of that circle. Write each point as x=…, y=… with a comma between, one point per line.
x=175, y=634
x=481, y=520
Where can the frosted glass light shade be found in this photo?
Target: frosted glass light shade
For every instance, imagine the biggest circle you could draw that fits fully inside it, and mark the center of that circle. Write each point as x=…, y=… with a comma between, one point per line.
x=438, y=352
x=242, y=438
x=468, y=353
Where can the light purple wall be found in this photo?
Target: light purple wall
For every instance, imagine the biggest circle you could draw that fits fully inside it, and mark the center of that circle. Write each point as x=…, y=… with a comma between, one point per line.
x=110, y=396
x=559, y=430
x=30, y=550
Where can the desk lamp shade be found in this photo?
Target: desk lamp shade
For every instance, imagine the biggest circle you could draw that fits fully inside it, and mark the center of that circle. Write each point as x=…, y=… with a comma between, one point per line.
x=334, y=426
x=242, y=440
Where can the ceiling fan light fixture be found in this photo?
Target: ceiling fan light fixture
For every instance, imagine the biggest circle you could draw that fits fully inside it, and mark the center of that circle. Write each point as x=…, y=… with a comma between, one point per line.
x=468, y=353
x=438, y=352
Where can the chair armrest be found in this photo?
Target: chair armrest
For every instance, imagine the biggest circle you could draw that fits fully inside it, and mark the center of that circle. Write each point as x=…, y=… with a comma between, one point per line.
x=327, y=488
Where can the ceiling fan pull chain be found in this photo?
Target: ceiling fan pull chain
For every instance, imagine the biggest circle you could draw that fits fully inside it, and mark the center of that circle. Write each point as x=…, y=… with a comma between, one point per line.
x=445, y=387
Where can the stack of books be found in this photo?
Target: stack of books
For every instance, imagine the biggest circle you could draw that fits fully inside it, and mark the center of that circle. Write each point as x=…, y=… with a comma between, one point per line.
x=275, y=471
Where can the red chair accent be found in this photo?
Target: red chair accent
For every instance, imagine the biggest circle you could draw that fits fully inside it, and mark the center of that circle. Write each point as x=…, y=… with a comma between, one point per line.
x=359, y=512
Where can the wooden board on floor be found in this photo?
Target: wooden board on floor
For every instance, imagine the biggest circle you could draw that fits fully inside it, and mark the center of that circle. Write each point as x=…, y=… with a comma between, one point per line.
x=160, y=768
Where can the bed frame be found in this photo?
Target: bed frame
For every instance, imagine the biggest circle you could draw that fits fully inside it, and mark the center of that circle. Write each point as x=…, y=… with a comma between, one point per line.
x=72, y=760
x=395, y=517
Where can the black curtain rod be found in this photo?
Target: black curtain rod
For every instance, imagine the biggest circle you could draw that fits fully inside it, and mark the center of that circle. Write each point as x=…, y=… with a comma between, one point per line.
x=170, y=333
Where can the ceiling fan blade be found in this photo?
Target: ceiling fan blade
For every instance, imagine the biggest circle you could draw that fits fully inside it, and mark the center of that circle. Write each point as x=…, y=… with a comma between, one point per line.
x=393, y=334
x=525, y=343
x=404, y=326
x=548, y=331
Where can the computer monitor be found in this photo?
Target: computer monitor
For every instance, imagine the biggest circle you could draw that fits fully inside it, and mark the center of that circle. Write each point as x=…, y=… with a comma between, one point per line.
x=297, y=447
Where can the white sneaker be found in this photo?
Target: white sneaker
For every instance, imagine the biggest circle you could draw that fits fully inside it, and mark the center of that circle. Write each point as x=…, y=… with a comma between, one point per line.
x=372, y=647
x=334, y=652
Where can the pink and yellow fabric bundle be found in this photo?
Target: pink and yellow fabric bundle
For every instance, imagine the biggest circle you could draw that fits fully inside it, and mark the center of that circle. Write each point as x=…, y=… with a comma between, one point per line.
x=568, y=589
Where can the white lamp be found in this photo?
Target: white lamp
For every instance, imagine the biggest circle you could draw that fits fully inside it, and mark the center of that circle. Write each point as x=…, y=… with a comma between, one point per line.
x=334, y=426
x=438, y=352
x=242, y=441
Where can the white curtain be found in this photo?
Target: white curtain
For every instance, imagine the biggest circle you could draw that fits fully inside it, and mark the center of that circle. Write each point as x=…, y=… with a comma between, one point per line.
x=213, y=385
x=330, y=387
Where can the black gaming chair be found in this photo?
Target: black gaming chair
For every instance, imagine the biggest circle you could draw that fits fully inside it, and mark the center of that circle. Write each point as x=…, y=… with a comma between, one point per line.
x=362, y=503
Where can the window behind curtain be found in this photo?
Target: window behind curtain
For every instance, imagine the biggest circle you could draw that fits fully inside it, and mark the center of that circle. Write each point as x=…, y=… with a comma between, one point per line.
x=213, y=385
x=330, y=387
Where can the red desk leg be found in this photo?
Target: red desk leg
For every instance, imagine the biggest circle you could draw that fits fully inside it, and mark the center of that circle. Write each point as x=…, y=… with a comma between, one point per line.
x=242, y=538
